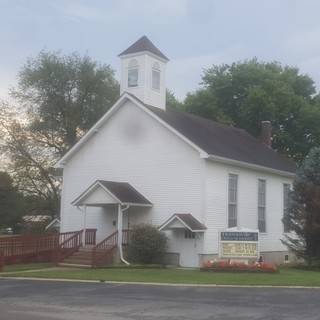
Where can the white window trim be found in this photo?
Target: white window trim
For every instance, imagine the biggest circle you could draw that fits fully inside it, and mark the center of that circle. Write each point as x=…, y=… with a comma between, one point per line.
x=290, y=189
x=237, y=202
x=155, y=90
x=265, y=207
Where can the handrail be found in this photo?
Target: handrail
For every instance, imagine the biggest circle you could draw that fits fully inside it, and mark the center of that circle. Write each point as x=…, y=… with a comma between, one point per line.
x=69, y=246
x=102, y=252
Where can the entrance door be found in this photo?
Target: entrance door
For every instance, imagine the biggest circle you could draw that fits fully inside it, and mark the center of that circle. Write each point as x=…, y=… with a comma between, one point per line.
x=190, y=247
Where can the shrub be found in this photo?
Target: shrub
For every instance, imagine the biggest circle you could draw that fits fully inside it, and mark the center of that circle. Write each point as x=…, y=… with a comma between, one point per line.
x=147, y=245
x=224, y=265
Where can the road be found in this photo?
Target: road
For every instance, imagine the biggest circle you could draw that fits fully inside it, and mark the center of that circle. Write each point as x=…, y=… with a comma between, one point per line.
x=46, y=300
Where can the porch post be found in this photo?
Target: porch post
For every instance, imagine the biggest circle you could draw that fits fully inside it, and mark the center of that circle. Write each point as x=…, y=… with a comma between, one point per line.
x=84, y=225
x=120, y=215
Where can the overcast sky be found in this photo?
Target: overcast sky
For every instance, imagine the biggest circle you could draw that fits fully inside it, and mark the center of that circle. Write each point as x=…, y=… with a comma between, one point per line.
x=193, y=34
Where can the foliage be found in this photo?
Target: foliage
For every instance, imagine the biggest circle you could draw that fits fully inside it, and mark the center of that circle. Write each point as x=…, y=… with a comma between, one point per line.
x=172, y=101
x=64, y=96
x=147, y=245
x=303, y=217
x=59, y=98
x=11, y=202
x=238, y=266
x=29, y=162
x=248, y=92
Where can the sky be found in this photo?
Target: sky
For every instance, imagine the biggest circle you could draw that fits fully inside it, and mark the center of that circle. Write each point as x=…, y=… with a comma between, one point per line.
x=193, y=34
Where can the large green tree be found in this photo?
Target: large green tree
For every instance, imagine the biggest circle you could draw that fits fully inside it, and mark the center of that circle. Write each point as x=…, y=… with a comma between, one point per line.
x=303, y=216
x=58, y=98
x=64, y=95
x=246, y=93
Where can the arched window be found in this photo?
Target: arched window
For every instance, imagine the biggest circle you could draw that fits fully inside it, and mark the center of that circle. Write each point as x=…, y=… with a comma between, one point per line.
x=156, y=76
x=133, y=73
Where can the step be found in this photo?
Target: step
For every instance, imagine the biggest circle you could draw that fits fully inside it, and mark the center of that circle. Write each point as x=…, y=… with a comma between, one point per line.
x=77, y=260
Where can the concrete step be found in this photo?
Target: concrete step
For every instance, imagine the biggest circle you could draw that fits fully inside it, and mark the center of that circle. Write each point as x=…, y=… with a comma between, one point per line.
x=77, y=260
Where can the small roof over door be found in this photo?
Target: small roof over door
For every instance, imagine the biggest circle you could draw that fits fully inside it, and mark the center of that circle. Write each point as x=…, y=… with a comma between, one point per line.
x=183, y=221
x=103, y=192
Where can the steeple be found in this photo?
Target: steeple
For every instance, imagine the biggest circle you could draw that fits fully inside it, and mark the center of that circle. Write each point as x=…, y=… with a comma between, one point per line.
x=143, y=68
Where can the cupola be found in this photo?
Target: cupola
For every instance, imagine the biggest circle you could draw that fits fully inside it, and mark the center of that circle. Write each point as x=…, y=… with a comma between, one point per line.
x=143, y=71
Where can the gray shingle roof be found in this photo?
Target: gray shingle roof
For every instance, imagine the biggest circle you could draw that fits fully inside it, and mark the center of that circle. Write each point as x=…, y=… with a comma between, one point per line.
x=125, y=192
x=143, y=44
x=187, y=219
x=224, y=141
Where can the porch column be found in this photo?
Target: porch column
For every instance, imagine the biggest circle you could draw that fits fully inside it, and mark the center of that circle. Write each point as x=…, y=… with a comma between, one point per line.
x=120, y=215
x=84, y=225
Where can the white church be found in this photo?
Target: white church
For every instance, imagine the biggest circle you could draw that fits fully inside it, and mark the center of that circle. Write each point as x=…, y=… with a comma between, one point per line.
x=193, y=178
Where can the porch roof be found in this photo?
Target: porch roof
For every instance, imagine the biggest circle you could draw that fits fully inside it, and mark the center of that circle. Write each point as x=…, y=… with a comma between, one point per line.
x=103, y=192
x=183, y=220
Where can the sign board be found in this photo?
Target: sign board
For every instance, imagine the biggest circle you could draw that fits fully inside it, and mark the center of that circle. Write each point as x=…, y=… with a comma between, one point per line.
x=239, y=244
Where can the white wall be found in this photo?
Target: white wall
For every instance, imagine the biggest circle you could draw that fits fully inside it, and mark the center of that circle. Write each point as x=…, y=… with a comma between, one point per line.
x=135, y=148
x=217, y=204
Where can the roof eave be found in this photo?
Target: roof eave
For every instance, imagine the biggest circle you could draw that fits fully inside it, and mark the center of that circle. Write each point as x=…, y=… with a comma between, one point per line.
x=249, y=165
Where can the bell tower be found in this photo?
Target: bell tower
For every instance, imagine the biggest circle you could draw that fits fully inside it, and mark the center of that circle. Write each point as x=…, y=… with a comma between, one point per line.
x=143, y=72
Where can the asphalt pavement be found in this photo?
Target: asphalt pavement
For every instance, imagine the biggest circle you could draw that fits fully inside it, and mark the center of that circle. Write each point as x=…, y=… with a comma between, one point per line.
x=51, y=300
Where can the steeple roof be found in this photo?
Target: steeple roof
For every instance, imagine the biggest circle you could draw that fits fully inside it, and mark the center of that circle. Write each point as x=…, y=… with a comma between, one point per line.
x=143, y=44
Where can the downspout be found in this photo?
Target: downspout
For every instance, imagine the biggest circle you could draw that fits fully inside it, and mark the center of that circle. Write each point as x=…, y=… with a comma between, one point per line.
x=120, y=216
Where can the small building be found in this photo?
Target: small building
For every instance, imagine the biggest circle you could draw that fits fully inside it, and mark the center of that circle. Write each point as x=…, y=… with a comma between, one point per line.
x=144, y=162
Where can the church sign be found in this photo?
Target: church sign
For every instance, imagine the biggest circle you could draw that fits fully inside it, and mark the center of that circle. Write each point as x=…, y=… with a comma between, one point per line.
x=239, y=244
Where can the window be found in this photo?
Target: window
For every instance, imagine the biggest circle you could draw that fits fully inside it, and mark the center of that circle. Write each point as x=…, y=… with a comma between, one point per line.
x=262, y=205
x=232, y=200
x=156, y=76
x=133, y=73
x=188, y=234
x=286, y=192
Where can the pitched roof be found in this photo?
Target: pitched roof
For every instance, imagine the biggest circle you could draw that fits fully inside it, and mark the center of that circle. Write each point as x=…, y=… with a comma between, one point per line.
x=125, y=192
x=224, y=141
x=143, y=44
x=187, y=220
x=120, y=192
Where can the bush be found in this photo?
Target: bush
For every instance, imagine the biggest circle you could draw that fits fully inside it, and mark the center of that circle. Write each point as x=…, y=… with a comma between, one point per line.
x=238, y=266
x=147, y=245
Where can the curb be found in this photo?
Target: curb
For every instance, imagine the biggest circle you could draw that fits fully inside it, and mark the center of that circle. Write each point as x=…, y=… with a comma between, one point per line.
x=192, y=285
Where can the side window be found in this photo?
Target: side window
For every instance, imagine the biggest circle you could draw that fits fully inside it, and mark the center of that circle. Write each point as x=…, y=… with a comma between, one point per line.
x=189, y=234
x=133, y=73
x=232, y=200
x=262, y=205
x=156, y=76
x=286, y=193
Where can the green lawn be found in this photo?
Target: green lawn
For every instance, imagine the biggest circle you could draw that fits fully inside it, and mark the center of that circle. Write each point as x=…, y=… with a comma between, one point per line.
x=286, y=276
x=26, y=266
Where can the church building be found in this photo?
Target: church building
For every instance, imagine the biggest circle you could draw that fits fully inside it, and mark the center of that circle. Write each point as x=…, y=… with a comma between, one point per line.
x=213, y=189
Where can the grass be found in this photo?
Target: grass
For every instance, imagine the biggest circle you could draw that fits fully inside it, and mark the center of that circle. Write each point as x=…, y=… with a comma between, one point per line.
x=26, y=267
x=285, y=277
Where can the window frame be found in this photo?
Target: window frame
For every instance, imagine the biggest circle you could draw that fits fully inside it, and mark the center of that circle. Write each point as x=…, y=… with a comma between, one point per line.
x=133, y=65
x=233, y=204
x=188, y=234
x=155, y=68
x=286, y=229
x=262, y=206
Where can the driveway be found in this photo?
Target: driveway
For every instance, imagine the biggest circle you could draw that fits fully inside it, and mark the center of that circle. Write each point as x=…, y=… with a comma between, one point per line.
x=47, y=300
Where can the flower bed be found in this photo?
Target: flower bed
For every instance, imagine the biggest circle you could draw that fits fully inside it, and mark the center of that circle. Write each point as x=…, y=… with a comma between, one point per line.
x=238, y=266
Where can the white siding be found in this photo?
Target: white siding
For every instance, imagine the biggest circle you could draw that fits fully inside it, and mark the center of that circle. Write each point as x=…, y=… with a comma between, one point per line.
x=217, y=205
x=135, y=148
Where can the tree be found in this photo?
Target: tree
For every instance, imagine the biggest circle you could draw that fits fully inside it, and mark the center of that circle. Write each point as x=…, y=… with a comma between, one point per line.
x=11, y=202
x=30, y=161
x=303, y=217
x=246, y=93
x=59, y=98
x=147, y=244
x=172, y=101
x=64, y=95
